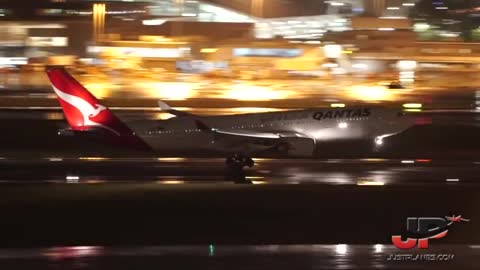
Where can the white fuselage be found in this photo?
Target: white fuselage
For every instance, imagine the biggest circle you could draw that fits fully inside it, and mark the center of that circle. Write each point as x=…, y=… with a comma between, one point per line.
x=183, y=133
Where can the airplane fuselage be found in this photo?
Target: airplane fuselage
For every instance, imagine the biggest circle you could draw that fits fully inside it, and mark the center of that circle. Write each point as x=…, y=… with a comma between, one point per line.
x=317, y=125
x=294, y=133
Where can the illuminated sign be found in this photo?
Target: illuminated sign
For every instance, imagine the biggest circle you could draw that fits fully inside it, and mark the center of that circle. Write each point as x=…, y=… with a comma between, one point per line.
x=11, y=61
x=266, y=52
x=143, y=52
x=199, y=66
x=47, y=41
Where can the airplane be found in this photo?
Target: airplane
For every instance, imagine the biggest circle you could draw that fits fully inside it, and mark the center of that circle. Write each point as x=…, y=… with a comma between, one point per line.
x=240, y=137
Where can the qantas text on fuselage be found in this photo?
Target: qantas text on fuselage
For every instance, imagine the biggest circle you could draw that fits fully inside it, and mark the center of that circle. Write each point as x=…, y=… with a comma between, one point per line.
x=349, y=113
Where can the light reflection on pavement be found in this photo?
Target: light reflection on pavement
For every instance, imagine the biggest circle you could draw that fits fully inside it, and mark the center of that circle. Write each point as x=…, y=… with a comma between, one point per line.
x=210, y=171
x=340, y=256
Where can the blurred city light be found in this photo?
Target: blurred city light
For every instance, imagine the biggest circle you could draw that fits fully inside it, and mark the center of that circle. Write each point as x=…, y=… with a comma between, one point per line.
x=171, y=159
x=332, y=51
x=209, y=50
x=408, y=161
x=72, y=179
x=168, y=90
x=100, y=90
x=93, y=158
x=330, y=65
x=370, y=93
x=360, y=66
x=421, y=27
x=8, y=61
x=171, y=182
x=413, y=110
x=61, y=253
x=370, y=183
x=378, y=248
x=413, y=105
x=256, y=182
x=341, y=249
x=407, y=65
x=99, y=11
x=244, y=91
x=153, y=22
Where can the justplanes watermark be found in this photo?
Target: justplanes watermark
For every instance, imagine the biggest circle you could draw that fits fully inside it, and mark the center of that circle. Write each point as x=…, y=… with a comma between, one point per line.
x=420, y=231
x=421, y=257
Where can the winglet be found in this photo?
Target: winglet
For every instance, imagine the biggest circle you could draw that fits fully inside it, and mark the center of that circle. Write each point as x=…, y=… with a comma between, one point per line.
x=166, y=108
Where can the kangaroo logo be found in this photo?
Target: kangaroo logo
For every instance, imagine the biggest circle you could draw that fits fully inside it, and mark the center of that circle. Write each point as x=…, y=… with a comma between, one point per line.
x=88, y=110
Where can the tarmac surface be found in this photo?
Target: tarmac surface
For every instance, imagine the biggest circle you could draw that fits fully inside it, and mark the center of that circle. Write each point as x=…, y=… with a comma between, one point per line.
x=211, y=171
x=212, y=256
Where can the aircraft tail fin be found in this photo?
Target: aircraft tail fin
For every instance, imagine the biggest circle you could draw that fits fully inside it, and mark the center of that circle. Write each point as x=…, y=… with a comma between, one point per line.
x=83, y=111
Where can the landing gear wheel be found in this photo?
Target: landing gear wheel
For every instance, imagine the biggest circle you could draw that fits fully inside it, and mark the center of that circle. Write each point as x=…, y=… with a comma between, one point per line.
x=239, y=162
x=235, y=172
x=249, y=162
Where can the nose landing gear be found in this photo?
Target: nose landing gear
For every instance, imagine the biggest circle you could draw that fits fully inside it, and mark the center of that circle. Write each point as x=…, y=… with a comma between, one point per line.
x=379, y=141
x=377, y=144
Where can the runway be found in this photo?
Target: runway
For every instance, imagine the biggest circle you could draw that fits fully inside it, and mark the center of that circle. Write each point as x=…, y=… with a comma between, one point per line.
x=102, y=212
x=214, y=257
x=178, y=170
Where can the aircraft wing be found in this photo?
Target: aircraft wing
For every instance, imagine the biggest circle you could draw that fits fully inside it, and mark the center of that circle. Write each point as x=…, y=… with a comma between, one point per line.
x=249, y=133
x=295, y=144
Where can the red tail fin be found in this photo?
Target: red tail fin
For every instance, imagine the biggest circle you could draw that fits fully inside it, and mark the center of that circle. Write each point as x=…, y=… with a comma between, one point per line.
x=82, y=110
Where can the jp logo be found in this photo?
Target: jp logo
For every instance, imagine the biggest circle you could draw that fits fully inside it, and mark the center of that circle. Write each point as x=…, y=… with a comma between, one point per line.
x=427, y=228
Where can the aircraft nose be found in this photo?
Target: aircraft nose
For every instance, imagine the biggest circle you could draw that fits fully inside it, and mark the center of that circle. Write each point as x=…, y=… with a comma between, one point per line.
x=423, y=120
x=417, y=120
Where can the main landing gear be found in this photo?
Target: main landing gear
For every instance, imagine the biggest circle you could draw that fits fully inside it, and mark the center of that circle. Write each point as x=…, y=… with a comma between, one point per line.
x=239, y=162
x=235, y=165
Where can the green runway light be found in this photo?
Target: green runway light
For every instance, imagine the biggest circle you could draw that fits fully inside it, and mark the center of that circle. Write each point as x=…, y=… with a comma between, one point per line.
x=211, y=250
